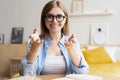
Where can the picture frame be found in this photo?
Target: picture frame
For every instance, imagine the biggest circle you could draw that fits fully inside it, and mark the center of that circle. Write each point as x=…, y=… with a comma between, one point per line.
x=98, y=33
x=77, y=6
x=17, y=35
x=1, y=38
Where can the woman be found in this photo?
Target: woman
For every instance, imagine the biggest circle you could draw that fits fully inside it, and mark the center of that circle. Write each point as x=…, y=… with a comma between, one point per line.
x=54, y=52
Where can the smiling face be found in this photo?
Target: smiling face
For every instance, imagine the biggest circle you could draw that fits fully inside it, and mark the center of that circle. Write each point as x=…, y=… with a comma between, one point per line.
x=55, y=14
x=54, y=18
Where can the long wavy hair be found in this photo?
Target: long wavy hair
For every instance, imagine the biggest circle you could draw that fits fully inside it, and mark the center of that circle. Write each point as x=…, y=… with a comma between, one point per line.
x=46, y=9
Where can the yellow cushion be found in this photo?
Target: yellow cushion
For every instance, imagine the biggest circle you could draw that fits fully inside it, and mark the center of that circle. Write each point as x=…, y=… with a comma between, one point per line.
x=97, y=55
x=16, y=75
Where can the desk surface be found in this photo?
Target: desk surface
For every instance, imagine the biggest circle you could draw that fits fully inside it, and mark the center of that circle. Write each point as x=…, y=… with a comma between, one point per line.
x=50, y=77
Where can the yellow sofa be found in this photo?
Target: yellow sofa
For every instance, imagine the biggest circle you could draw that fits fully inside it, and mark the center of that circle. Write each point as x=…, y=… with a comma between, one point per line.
x=107, y=69
x=100, y=62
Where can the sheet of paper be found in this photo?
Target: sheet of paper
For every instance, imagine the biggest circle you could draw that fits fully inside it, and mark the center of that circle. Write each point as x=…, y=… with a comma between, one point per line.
x=83, y=77
x=63, y=78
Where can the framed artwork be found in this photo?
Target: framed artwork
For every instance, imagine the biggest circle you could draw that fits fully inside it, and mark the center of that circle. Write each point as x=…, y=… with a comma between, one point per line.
x=1, y=38
x=78, y=6
x=98, y=33
x=17, y=35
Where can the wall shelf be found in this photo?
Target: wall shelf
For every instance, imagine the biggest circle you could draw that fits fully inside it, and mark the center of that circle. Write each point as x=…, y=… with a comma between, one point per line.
x=93, y=13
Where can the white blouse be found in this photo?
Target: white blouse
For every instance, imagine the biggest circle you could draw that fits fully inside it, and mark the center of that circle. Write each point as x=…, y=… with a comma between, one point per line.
x=54, y=65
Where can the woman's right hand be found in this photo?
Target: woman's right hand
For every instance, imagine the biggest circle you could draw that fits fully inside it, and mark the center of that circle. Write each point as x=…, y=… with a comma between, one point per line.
x=35, y=45
x=35, y=37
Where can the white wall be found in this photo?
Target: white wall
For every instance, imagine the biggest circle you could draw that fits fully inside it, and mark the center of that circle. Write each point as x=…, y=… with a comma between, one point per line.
x=81, y=25
x=26, y=13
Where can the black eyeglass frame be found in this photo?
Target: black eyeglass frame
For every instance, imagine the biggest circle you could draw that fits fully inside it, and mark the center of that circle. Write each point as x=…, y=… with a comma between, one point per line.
x=48, y=16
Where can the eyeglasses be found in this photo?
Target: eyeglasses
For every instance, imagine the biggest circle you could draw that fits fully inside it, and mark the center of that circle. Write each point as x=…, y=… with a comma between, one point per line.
x=50, y=17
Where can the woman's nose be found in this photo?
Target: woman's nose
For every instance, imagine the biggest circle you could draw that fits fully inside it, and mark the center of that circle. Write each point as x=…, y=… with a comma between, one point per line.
x=55, y=19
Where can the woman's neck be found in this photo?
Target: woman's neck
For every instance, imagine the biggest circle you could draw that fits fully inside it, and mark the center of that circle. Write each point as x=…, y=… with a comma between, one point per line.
x=55, y=37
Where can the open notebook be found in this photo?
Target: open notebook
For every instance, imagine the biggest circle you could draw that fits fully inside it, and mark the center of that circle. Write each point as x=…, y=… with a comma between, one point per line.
x=79, y=77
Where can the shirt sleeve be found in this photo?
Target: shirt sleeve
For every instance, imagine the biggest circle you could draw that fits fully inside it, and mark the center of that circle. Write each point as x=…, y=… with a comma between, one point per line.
x=25, y=67
x=83, y=67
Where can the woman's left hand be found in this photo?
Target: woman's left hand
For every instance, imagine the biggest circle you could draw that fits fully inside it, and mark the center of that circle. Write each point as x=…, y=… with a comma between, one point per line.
x=70, y=42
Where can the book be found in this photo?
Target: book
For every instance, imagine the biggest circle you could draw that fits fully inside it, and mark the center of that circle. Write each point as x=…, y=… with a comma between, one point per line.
x=17, y=35
x=80, y=77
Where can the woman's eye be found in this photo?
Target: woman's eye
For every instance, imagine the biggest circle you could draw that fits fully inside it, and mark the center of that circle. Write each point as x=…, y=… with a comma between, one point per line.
x=59, y=16
x=50, y=16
